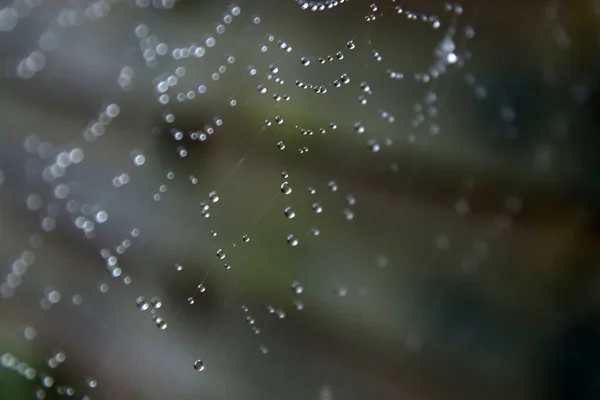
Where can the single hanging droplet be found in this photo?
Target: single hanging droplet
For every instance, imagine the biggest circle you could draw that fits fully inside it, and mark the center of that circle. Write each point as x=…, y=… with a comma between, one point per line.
x=317, y=208
x=289, y=212
x=297, y=287
x=220, y=254
x=291, y=239
x=142, y=304
x=199, y=365
x=161, y=323
x=92, y=383
x=138, y=158
x=156, y=302
x=286, y=188
x=348, y=214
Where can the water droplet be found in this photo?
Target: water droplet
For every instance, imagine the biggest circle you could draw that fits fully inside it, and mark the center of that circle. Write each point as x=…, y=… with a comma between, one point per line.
x=359, y=128
x=280, y=145
x=9, y=18
x=317, y=208
x=348, y=214
x=332, y=186
x=199, y=365
x=191, y=300
x=246, y=238
x=161, y=324
x=289, y=212
x=201, y=288
x=305, y=61
x=138, y=158
x=286, y=188
x=213, y=197
x=382, y=261
x=469, y=32
x=142, y=304
x=220, y=254
x=156, y=302
x=291, y=239
x=351, y=45
x=297, y=287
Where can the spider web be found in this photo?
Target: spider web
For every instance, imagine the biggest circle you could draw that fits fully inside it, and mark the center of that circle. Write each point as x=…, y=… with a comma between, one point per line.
x=288, y=199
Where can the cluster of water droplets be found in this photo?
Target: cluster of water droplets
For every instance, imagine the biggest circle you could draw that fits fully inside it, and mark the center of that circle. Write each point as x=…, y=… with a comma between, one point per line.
x=154, y=304
x=46, y=379
x=173, y=86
